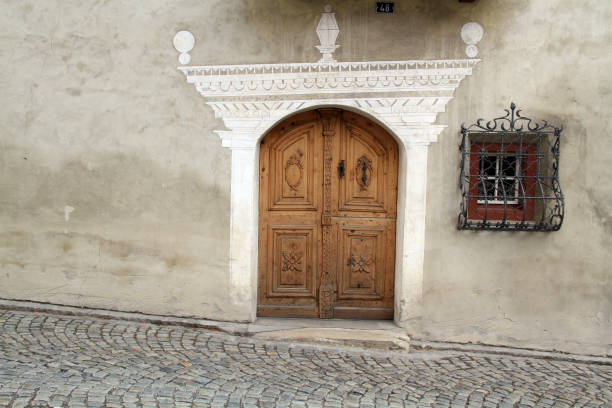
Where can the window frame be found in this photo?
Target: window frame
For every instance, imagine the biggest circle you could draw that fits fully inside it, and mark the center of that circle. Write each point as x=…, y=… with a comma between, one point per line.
x=499, y=177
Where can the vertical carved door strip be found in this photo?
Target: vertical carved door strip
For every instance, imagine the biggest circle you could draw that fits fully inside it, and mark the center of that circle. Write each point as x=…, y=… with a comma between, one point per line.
x=326, y=290
x=327, y=234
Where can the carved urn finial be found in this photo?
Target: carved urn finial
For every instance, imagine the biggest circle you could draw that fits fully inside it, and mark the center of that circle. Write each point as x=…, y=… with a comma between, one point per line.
x=327, y=30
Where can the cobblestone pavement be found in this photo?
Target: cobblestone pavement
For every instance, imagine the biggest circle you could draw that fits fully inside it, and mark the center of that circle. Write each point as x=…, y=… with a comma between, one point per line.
x=54, y=360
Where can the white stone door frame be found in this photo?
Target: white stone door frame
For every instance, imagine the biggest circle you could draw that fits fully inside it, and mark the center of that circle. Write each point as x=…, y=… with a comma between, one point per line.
x=404, y=97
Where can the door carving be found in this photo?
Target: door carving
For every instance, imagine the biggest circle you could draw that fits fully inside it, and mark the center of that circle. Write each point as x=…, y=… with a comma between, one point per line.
x=327, y=210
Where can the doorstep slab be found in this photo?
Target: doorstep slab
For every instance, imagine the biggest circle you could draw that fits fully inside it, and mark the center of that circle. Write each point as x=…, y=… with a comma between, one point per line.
x=359, y=338
x=278, y=323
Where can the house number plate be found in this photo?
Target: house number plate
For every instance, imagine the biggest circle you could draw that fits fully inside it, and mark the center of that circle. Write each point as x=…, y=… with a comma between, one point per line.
x=384, y=7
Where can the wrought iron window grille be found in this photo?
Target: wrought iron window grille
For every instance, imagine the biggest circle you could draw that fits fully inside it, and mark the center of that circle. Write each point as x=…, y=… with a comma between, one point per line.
x=509, y=175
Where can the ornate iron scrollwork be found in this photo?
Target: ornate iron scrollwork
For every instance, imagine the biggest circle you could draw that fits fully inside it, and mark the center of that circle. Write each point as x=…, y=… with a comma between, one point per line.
x=362, y=170
x=510, y=175
x=364, y=175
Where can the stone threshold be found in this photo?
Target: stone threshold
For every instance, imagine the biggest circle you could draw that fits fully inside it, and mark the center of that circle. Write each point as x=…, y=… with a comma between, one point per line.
x=380, y=335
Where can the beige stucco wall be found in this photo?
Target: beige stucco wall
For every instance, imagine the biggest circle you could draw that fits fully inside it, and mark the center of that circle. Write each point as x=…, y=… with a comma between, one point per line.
x=94, y=116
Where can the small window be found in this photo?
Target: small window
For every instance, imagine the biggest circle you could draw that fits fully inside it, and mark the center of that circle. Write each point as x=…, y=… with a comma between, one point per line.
x=509, y=175
x=498, y=178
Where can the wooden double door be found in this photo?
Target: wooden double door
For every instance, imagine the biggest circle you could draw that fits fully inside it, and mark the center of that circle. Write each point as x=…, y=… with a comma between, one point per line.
x=327, y=211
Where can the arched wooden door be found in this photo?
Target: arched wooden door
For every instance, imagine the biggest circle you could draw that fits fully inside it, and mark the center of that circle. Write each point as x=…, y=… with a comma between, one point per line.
x=327, y=210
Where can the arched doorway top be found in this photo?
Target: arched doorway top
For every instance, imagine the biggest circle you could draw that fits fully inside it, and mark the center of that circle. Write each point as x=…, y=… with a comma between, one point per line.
x=347, y=108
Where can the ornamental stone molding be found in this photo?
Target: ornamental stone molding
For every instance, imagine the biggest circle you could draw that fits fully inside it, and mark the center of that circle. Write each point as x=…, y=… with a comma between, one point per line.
x=328, y=78
x=405, y=97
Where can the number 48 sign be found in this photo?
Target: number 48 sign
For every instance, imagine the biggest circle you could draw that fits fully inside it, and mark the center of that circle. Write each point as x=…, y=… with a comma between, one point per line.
x=384, y=7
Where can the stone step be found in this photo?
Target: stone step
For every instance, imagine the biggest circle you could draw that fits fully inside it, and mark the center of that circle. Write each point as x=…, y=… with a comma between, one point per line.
x=356, y=338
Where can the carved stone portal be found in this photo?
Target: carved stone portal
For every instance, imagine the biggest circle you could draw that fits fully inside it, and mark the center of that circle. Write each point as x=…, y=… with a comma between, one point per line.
x=402, y=96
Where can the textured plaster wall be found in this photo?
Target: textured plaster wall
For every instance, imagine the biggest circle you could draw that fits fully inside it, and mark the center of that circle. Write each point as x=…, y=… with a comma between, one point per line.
x=550, y=290
x=114, y=191
x=95, y=118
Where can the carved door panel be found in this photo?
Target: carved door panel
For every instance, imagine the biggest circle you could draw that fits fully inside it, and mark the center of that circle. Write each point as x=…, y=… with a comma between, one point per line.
x=364, y=218
x=289, y=219
x=326, y=230
x=365, y=265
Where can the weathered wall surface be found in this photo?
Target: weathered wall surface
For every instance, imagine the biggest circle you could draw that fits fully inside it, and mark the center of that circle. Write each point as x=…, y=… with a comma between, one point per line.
x=551, y=290
x=95, y=118
x=114, y=191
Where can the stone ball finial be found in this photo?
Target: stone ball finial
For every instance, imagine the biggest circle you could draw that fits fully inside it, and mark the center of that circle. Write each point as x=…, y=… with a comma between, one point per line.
x=471, y=34
x=183, y=43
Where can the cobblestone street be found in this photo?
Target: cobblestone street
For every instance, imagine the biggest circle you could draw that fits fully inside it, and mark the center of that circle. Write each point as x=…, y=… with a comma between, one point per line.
x=55, y=360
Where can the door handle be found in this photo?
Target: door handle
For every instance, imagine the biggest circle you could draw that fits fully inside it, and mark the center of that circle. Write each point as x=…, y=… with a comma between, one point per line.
x=341, y=169
x=364, y=177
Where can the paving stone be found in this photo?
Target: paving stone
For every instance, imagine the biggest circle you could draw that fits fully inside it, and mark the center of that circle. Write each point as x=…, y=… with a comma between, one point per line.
x=50, y=360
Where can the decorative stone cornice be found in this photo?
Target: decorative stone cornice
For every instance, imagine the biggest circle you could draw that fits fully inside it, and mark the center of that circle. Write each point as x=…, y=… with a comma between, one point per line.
x=328, y=78
x=404, y=96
